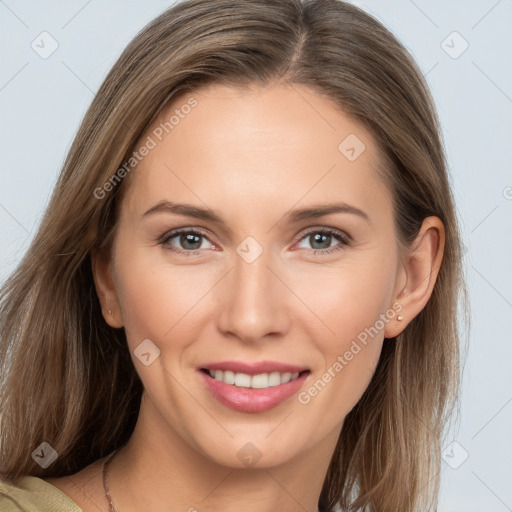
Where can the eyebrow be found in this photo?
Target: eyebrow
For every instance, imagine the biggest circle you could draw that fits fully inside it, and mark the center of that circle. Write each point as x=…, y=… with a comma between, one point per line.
x=294, y=216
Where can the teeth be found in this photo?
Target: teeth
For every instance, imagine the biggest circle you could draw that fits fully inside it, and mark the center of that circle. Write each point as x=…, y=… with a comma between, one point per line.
x=241, y=380
x=260, y=381
x=228, y=377
x=274, y=379
x=285, y=377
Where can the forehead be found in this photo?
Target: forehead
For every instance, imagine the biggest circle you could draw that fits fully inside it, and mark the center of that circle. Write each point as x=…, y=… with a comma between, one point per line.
x=257, y=149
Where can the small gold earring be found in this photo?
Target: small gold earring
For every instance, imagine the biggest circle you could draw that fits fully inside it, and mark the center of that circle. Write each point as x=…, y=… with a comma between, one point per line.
x=109, y=311
x=399, y=318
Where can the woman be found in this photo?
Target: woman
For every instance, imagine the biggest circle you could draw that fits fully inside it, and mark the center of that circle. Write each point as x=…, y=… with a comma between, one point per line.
x=243, y=294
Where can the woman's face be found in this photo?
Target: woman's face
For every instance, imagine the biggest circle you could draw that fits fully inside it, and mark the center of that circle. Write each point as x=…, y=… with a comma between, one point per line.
x=261, y=283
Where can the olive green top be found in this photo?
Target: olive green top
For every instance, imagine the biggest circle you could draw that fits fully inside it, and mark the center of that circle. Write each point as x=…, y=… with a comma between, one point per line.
x=33, y=494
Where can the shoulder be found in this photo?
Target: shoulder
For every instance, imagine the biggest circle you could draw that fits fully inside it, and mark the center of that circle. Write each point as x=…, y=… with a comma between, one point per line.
x=33, y=494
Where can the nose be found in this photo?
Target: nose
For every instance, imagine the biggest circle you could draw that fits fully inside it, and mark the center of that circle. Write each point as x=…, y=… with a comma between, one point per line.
x=254, y=302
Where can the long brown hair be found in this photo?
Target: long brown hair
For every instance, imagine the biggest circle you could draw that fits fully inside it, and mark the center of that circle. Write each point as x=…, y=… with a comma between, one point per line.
x=67, y=377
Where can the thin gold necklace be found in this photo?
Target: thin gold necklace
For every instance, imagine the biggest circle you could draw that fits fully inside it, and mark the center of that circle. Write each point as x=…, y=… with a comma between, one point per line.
x=106, y=463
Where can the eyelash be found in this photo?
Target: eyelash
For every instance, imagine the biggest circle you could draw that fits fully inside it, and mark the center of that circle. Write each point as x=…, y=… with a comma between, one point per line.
x=339, y=235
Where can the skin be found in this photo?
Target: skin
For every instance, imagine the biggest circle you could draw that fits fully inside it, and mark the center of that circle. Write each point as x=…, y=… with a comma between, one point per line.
x=251, y=156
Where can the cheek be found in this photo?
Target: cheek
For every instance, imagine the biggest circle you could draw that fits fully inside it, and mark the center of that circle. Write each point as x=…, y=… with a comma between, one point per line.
x=157, y=300
x=354, y=303
x=350, y=355
x=347, y=299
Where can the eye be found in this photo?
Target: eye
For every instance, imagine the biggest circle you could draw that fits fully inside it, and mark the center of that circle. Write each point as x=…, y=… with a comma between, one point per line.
x=186, y=241
x=323, y=240
x=189, y=241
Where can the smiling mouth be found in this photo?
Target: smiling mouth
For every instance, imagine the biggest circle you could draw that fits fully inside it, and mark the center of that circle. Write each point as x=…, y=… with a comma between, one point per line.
x=259, y=381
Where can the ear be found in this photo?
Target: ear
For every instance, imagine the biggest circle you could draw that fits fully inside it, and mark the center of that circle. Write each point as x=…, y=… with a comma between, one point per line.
x=105, y=288
x=418, y=274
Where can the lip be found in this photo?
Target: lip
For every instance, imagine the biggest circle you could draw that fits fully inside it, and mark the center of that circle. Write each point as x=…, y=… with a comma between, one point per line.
x=249, y=399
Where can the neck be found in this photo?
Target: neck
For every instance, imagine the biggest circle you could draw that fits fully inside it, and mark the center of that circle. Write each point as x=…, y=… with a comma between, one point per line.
x=157, y=470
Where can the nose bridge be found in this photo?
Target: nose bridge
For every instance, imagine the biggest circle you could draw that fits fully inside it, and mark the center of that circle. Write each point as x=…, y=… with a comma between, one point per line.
x=253, y=300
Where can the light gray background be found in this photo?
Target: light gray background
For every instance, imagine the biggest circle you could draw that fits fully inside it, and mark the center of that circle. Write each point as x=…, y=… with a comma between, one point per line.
x=43, y=100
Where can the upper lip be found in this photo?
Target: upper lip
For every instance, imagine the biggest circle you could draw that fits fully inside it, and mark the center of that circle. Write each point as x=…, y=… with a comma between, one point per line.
x=254, y=368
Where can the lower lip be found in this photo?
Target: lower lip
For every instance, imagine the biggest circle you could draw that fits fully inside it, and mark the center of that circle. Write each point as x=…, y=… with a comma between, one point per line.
x=250, y=399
